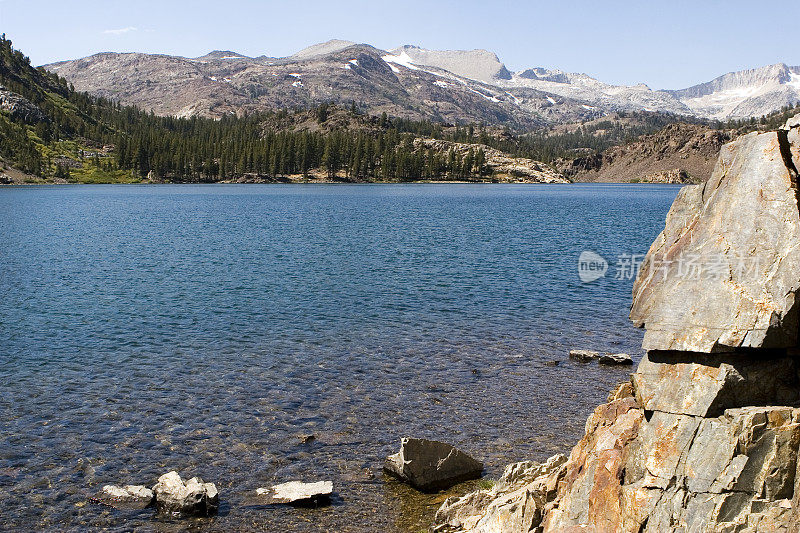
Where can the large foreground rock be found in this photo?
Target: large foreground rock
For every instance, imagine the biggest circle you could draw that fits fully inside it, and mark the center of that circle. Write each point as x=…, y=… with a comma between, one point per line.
x=679, y=473
x=725, y=271
x=429, y=465
x=638, y=472
x=193, y=497
x=705, y=438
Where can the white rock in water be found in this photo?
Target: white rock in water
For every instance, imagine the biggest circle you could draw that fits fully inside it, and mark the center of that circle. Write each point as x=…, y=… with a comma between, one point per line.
x=128, y=491
x=194, y=497
x=297, y=492
x=128, y=496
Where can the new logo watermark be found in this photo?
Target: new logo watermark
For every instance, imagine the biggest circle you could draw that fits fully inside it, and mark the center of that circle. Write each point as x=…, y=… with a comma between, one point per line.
x=591, y=266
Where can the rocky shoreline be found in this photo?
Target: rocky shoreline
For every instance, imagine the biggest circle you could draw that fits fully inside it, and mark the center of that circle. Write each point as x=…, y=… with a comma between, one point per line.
x=706, y=434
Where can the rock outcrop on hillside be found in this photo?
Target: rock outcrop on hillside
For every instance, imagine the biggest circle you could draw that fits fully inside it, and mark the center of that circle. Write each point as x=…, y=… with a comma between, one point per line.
x=705, y=436
x=20, y=108
x=679, y=153
x=501, y=166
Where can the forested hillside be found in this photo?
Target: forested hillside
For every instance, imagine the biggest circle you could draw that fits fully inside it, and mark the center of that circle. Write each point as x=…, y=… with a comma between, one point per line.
x=51, y=131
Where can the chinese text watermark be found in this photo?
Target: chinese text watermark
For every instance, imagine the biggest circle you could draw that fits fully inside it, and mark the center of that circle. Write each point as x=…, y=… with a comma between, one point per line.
x=592, y=266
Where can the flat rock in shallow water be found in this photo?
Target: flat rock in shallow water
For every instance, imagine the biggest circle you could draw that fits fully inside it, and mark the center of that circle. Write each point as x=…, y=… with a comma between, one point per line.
x=583, y=356
x=125, y=497
x=299, y=493
x=193, y=497
x=615, y=359
x=429, y=465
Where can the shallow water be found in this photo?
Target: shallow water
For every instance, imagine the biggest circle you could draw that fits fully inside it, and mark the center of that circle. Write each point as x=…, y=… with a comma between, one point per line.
x=204, y=328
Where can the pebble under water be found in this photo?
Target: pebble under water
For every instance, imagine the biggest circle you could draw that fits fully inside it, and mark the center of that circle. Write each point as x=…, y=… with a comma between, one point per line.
x=206, y=329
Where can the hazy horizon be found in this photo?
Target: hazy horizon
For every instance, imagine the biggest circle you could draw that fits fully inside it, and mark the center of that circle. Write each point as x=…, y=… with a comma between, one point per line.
x=664, y=46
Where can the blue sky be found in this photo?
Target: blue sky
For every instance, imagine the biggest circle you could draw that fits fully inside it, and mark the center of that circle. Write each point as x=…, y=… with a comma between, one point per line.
x=666, y=44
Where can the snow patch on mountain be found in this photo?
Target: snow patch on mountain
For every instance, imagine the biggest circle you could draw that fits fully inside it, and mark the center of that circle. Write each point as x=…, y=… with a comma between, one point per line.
x=745, y=93
x=401, y=59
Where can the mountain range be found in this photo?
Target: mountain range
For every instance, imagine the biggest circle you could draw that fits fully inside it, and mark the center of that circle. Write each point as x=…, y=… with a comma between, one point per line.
x=410, y=82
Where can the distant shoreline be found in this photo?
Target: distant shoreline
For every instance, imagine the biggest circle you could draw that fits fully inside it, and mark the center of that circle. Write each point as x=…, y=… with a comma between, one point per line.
x=335, y=182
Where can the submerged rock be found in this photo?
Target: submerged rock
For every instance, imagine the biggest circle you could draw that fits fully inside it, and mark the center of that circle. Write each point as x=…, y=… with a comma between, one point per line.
x=305, y=438
x=299, y=493
x=615, y=359
x=725, y=271
x=125, y=497
x=429, y=465
x=193, y=497
x=584, y=356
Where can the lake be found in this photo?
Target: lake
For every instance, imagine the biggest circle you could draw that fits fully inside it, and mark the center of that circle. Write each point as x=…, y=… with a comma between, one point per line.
x=205, y=329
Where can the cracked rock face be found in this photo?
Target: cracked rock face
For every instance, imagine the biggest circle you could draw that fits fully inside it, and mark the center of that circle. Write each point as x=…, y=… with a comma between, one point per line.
x=677, y=473
x=725, y=271
x=706, y=384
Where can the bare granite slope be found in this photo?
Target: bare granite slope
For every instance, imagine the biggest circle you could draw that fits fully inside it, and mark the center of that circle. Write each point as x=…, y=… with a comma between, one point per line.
x=338, y=71
x=186, y=86
x=680, y=153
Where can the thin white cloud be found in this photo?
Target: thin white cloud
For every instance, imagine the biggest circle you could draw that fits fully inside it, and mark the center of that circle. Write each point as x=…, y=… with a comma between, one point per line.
x=120, y=31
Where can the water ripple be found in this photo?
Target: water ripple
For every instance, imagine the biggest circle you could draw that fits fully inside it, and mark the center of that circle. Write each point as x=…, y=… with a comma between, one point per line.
x=204, y=328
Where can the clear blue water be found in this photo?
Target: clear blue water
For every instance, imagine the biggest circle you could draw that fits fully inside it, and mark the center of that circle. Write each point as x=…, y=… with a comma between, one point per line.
x=204, y=328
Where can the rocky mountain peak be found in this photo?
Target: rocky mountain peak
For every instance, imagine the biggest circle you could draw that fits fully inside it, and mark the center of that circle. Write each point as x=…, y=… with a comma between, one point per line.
x=543, y=74
x=454, y=85
x=321, y=49
x=481, y=65
x=222, y=54
x=745, y=93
